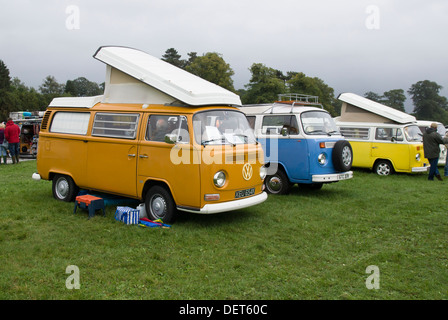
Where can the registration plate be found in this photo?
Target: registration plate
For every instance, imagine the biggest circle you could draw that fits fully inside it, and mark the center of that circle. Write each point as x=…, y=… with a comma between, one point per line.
x=244, y=193
x=343, y=176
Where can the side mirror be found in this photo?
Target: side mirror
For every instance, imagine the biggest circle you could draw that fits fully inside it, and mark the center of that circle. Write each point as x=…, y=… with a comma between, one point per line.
x=171, y=138
x=284, y=132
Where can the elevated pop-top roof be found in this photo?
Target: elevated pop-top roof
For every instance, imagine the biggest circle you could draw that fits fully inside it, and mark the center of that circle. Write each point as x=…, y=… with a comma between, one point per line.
x=156, y=78
x=133, y=76
x=376, y=108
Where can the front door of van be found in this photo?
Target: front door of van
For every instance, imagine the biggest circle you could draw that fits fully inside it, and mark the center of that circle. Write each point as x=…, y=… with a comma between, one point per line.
x=389, y=144
x=112, y=153
x=174, y=163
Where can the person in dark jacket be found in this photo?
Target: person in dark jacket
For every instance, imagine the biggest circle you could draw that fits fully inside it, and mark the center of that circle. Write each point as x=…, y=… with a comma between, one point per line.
x=12, y=135
x=431, y=141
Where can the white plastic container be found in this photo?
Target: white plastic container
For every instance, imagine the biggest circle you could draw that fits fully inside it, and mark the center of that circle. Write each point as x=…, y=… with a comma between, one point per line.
x=142, y=211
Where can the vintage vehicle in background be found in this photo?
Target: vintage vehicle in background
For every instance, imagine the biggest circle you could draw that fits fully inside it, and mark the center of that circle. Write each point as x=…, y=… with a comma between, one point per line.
x=29, y=123
x=159, y=134
x=301, y=143
x=383, y=139
x=423, y=124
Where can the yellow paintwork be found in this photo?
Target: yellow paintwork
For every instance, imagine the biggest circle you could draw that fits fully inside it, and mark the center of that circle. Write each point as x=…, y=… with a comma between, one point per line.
x=124, y=167
x=400, y=154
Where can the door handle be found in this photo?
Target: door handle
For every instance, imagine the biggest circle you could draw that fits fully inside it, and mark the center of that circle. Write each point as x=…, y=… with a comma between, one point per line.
x=143, y=156
x=131, y=155
x=374, y=147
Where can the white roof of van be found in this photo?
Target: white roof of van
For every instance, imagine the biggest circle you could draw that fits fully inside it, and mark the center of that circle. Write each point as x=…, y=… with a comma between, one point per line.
x=276, y=108
x=165, y=77
x=79, y=102
x=377, y=108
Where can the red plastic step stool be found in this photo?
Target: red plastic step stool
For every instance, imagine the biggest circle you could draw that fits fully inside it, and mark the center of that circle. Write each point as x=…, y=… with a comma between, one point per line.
x=91, y=203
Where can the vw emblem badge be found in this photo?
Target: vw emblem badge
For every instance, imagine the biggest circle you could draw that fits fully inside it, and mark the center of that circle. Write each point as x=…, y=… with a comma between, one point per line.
x=247, y=171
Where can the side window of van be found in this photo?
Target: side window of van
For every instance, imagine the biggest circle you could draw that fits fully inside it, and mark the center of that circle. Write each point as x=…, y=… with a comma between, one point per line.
x=272, y=125
x=387, y=134
x=251, y=120
x=70, y=122
x=161, y=125
x=115, y=125
x=355, y=133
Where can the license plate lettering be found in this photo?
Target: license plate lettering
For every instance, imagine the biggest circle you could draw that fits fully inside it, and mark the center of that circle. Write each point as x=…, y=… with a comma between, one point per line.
x=244, y=193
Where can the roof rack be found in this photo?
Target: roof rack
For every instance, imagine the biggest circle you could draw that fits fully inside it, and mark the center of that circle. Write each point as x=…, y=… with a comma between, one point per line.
x=297, y=99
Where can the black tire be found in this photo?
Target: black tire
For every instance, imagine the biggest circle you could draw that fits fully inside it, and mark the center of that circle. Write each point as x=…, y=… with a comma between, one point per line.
x=159, y=204
x=383, y=168
x=342, y=156
x=64, y=188
x=278, y=183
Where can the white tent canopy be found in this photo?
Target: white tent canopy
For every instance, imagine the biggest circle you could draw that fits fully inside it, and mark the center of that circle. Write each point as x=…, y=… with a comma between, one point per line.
x=133, y=76
x=357, y=108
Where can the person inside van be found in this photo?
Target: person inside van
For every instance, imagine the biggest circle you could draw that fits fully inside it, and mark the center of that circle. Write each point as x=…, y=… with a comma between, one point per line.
x=161, y=130
x=431, y=141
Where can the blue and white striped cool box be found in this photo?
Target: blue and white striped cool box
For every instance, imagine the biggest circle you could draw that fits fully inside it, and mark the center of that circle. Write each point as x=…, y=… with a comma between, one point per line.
x=127, y=215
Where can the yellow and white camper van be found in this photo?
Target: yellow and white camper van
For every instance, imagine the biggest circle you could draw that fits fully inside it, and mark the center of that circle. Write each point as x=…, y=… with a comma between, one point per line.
x=157, y=134
x=382, y=138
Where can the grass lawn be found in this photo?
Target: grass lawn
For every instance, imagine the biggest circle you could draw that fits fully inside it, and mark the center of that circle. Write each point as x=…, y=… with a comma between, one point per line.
x=307, y=245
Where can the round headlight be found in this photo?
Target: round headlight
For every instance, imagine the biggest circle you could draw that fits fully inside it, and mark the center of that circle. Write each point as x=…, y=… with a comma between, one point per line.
x=263, y=172
x=322, y=158
x=417, y=157
x=219, y=179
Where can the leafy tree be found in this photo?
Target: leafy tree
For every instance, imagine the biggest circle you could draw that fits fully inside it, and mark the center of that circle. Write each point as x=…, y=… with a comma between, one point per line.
x=212, y=67
x=300, y=83
x=395, y=99
x=5, y=79
x=172, y=56
x=373, y=96
x=264, y=85
x=392, y=98
x=51, y=87
x=428, y=104
x=6, y=99
x=81, y=87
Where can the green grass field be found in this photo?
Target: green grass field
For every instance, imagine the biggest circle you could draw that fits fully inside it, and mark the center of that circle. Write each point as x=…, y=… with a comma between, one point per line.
x=307, y=245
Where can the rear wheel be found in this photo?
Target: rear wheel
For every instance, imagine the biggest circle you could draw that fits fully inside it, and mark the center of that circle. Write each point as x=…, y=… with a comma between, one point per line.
x=64, y=188
x=159, y=204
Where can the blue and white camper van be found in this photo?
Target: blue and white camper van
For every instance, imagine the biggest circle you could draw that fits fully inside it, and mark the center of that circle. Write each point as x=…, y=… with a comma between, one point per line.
x=301, y=143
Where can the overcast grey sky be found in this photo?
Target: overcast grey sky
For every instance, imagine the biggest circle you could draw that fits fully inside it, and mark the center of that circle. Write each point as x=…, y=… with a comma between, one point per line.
x=353, y=45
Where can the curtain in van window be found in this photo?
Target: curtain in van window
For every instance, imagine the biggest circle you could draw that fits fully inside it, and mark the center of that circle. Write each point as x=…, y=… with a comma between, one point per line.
x=70, y=122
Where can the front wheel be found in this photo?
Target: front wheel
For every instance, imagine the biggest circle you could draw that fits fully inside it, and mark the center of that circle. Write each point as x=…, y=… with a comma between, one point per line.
x=64, y=188
x=383, y=168
x=159, y=204
x=278, y=183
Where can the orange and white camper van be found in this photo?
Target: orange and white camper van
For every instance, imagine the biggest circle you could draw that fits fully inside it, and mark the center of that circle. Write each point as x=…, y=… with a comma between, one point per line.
x=159, y=134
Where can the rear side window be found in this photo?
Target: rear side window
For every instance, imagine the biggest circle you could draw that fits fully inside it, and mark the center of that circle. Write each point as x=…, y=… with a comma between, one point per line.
x=355, y=133
x=70, y=122
x=115, y=125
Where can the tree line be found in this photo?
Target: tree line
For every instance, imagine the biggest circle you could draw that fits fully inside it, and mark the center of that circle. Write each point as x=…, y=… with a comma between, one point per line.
x=264, y=86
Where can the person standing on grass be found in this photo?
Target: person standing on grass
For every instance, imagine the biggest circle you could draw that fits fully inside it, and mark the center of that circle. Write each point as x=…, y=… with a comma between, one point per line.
x=12, y=135
x=431, y=141
x=3, y=144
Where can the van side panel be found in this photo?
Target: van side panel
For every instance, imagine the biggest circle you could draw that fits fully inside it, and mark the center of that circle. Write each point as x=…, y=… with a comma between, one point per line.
x=397, y=153
x=183, y=176
x=111, y=165
x=362, y=154
x=64, y=154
